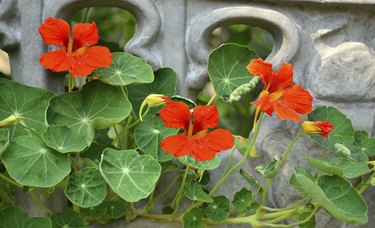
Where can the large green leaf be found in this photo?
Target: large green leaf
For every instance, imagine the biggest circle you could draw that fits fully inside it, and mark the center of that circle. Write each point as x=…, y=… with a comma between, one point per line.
x=325, y=166
x=343, y=131
x=4, y=139
x=337, y=196
x=67, y=219
x=302, y=171
x=30, y=162
x=350, y=168
x=130, y=175
x=15, y=217
x=227, y=68
x=164, y=83
x=96, y=106
x=219, y=209
x=194, y=192
x=149, y=134
x=206, y=165
x=366, y=143
x=193, y=218
x=86, y=188
x=124, y=70
x=27, y=102
x=67, y=139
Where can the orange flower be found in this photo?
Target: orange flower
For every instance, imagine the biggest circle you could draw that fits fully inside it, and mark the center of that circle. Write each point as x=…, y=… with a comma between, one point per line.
x=279, y=95
x=195, y=140
x=317, y=127
x=73, y=53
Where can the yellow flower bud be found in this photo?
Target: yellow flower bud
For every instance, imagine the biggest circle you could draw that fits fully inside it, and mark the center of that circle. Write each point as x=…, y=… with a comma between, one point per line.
x=10, y=120
x=152, y=100
x=317, y=127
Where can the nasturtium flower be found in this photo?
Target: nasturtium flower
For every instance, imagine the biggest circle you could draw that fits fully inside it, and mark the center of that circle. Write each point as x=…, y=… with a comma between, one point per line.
x=196, y=140
x=73, y=53
x=152, y=100
x=279, y=95
x=317, y=127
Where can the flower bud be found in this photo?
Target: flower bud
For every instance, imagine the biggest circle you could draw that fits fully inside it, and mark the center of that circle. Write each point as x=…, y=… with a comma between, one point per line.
x=317, y=127
x=10, y=120
x=152, y=100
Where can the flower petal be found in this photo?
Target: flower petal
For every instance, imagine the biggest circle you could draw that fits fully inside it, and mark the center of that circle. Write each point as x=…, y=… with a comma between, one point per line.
x=84, y=34
x=282, y=78
x=205, y=117
x=264, y=102
x=98, y=56
x=285, y=112
x=178, y=145
x=56, y=60
x=298, y=99
x=175, y=115
x=201, y=151
x=79, y=67
x=258, y=67
x=219, y=140
x=55, y=32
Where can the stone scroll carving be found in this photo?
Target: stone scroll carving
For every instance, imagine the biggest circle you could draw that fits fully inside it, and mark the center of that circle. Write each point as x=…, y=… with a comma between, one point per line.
x=285, y=34
x=9, y=19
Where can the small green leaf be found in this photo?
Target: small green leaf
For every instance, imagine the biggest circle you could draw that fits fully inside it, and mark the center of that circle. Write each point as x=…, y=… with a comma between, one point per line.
x=194, y=192
x=366, y=143
x=94, y=212
x=206, y=165
x=227, y=68
x=27, y=102
x=219, y=209
x=337, y=196
x=67, y=219
x=15, y=217
x=351, y=169
x=124, y=70
x=164, y=83
x=311, y=222
x=96, y=106
x=187, y=101
x=148, y=136
x=193, y=218
x=251, y=180
x=324, y=166
x=4, y=139
x=302, y=171
x=30, y=162
x=271, y=169
x=343, y=131
x=253, y=207
x=86, y=188
x=65, y=139
x=342, y=149
x=241, y=143
x=115, y=209
x=242, y=199
x=130, y=175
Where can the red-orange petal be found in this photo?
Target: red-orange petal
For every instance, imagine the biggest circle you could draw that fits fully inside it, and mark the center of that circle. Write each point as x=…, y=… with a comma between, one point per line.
x=98, y=56
x=285, y=112
x=219, y=140
x=282, y=78
x=264, y=102
x=175, y=115
x=56, y=60
x=205, y=117
x=178, y=145
x=258, y=67
x=55, y=32
x=298, y=99
x=84, y=34
x=201, y=151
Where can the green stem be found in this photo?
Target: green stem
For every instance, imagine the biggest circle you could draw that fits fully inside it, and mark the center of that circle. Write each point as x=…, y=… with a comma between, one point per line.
x=264, y=194
x=7, y=179
x=168, y=188
x=324, y=154
x=244, y=158
x=177, y=199
x=85, y=14
x=22, y=124
x=229, y=161
x=160, y=217
x=363, y=187
x=123, y=91
x=212, y=99
x=39, y=202
x=287, y=151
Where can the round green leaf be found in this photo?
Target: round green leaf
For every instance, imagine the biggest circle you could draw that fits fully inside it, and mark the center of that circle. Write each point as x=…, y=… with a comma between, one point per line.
x=149, y=134
x=28, y=102
x=115, y=209
x=65, y=139
x=94, y=212
x=206, y=165
x=130, y=175
x=227, y=68
x=194, y=192
x=366, y=143
x=86, y=188
x=242, y=199
x=4, y=139
x=124, y=70
x=343, y=131
x=15, y=217
x=193, y=218
x=30, y=162
x=219, y=209
x=164, y=83
x=351, y=169
x=67, y=219
x=337, y=196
